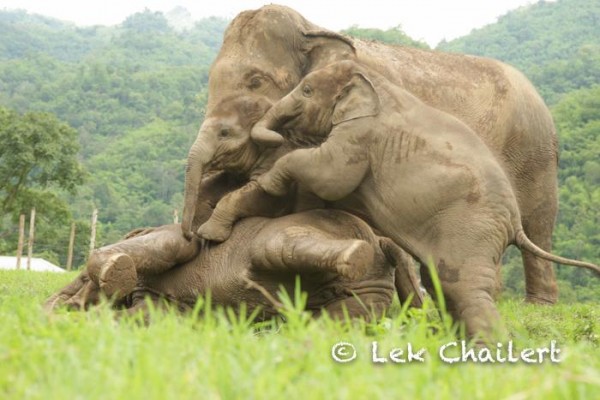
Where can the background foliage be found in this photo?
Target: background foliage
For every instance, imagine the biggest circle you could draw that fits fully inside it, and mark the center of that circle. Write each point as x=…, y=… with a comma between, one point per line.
x=393, y=36
x=133, y=94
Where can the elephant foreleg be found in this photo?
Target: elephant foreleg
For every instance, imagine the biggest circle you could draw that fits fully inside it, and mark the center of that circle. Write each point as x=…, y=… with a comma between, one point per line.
x=87, y=296
x=247, y=201
x=70, y=294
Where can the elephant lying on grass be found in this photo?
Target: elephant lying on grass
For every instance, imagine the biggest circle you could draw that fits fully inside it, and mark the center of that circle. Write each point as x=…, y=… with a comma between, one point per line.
x=341, y=262
x=423, y=178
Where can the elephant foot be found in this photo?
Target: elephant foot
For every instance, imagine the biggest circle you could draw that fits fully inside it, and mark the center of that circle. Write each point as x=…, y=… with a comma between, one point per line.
x=213, y=231
x=541, y=300
x=74, y=304
x=354, y=261
x=118, y=276
x=54, y=302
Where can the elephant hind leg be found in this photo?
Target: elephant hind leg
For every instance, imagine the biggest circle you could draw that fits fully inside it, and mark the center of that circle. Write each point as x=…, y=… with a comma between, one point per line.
x=304, y=248
x=540, y=279
x=539, y=208
x=468, y=292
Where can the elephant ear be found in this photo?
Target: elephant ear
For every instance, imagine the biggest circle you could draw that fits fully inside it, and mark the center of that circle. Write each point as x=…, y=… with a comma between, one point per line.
x=321, y=47
x=325, y=34
x=357, y=99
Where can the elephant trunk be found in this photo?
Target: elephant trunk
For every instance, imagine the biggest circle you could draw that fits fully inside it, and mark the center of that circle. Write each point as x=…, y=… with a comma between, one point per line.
x=263, y=132
x=199, y=156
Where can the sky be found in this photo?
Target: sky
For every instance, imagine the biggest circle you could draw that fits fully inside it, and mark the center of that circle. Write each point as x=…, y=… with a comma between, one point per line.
x=427, y=20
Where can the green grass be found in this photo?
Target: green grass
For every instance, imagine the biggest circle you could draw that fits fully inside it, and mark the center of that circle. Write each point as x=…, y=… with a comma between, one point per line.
x=90, y=356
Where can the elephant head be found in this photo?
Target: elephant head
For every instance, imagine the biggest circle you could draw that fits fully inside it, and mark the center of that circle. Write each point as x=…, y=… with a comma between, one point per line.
x=268, y=51
x=223, y=143
x=325, y=98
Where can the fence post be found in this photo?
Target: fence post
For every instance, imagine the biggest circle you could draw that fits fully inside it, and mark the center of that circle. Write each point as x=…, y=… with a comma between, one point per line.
x=71, y=245
x=175, y=216
x=93, y=234
x=21, y=240
x=31, y=236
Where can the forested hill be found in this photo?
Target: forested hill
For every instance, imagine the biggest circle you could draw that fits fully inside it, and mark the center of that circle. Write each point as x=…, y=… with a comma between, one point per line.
x=131, y=97
x=25, y=34
x=134, y=93
x=556, y=44
x=105, y=81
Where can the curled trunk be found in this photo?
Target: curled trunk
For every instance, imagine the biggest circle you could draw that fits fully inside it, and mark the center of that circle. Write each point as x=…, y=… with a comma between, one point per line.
x=263, y=132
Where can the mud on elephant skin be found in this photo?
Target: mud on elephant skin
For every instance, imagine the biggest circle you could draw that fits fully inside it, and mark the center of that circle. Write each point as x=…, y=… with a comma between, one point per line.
x=267, y=51
x=341, y=262
x=424, y=178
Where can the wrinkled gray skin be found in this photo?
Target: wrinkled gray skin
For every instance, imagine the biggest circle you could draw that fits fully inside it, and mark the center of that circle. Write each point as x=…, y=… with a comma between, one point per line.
x=224, y=144
x=423, y=178
x=266, y=52
x=341, y=262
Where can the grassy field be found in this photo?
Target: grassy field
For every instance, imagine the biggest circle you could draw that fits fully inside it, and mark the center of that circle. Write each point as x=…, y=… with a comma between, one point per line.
x=90, y=356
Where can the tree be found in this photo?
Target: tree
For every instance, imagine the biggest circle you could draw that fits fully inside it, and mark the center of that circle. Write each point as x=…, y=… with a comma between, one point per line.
x=37, y=153
x=394, y=36
x=555, y=43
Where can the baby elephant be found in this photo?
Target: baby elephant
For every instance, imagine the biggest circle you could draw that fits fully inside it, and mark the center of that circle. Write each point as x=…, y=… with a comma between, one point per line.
x=341, y=263
x=419, y=175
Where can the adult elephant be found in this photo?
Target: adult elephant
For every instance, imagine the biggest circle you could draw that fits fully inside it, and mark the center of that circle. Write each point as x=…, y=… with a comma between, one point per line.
x=344, y=267
x=267, y=51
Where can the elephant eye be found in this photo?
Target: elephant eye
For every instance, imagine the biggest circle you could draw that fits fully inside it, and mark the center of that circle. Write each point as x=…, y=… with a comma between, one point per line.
x=307, y=91
x=224, y=133
x=255, y=83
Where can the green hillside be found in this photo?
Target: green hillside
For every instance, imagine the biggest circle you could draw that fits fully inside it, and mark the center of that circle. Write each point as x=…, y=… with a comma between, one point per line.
x=393, y=36
x=556, y=44
x=24, y=35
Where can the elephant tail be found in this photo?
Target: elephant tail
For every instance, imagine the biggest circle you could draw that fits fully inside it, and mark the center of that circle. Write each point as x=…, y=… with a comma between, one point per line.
x=524, y=243
x=405, y=277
